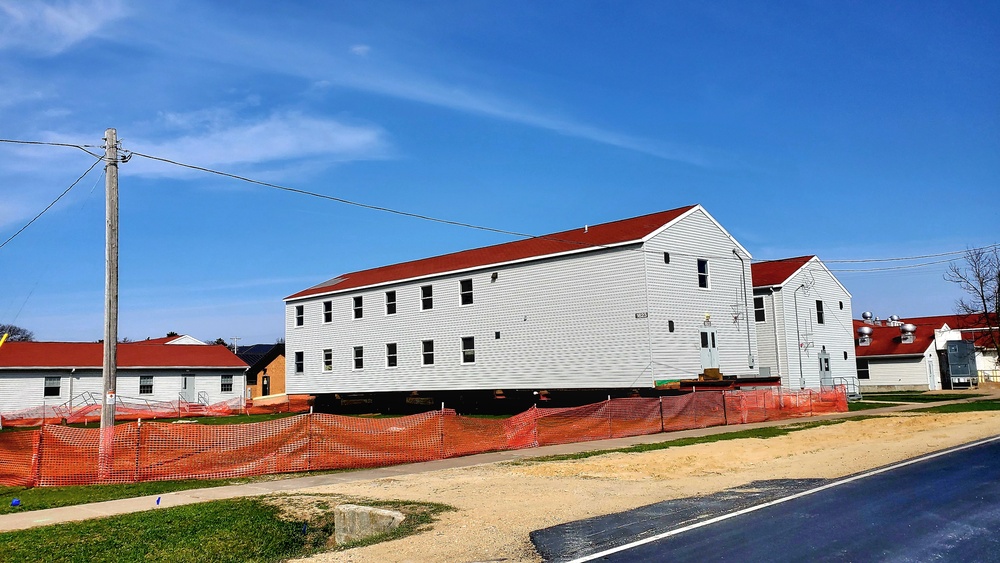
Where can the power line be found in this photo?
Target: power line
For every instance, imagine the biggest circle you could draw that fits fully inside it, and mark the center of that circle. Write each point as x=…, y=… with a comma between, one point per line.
x=582, y=244
x=53, y=144
x=905, y=258
x=49, y=206
x=332, y=198
x=890, y=268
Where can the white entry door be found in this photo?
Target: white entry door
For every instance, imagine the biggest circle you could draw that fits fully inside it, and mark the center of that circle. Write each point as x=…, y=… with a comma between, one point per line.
x=188, y=392
x=709, y=349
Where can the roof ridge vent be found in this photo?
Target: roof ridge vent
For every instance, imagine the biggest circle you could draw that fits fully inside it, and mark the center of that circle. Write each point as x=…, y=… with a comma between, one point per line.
x=906, y=331
x=865, y=335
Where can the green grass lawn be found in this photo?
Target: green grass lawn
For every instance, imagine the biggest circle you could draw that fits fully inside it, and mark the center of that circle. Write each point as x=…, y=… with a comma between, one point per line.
x=863, y=406
x=974, y=406
x=919, y=396
x=237, y=530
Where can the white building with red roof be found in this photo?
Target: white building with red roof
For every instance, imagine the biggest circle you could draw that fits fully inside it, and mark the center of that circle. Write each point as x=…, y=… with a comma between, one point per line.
x=804, y=323
x=34, y=374
x=613, y=306
x=913, y=353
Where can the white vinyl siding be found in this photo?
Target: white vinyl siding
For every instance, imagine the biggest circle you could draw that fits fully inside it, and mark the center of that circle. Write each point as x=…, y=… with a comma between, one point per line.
x=777, y=337
x=594, y=319
x=21, y=389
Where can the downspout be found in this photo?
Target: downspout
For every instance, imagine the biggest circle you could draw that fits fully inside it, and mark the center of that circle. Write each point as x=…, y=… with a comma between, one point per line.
x=774, y=326
x=798, y=336
x=649, y=330
x=746, y=310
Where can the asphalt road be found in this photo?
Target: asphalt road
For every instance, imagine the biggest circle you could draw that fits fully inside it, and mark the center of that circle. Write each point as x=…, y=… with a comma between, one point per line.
x=944, y=508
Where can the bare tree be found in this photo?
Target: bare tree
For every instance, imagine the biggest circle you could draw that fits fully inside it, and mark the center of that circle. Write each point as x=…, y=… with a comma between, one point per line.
x=16, y=334
x=979, y=277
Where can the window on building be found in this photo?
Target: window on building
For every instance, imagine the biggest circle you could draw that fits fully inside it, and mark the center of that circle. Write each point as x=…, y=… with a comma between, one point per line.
x=300, y=362
x=670, y=326
x=390, y=303
x=328, y=311
x=359, y=357
x=390, y=355
x=300, y=315
x=702, y=273
x=466, y=291
x=358, y=307
x=666, y=257
x=426, y=297
x=145, y=384
x=252, y=378
x=819, y=312
x=52, y=386
x=758, y=309
x=427, y=347
x=227, y=384
x=863, y=372
x=468, y=349
x=328, y=359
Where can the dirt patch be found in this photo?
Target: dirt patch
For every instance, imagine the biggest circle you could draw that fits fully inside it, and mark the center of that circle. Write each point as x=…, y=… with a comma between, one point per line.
x=500, y=504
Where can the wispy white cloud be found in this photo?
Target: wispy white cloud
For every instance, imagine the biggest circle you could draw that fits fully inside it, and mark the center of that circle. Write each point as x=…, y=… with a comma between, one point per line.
x=213, y=138
x=360, y=50
x=53, y=26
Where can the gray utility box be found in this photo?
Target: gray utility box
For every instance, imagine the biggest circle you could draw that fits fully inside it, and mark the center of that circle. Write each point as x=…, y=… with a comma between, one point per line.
x=962, y=364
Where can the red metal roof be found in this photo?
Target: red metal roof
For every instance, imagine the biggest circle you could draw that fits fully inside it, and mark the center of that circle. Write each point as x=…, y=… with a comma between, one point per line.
x=606, y=234
x=776, y=272
x=886, y=341
x=130, y=355
x=966, y=322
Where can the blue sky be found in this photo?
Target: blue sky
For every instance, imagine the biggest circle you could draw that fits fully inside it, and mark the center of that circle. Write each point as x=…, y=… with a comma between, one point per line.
x=844, y=129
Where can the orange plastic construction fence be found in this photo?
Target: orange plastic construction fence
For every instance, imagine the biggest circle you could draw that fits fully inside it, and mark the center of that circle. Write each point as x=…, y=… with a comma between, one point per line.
x=155, y=451
x=138, y=409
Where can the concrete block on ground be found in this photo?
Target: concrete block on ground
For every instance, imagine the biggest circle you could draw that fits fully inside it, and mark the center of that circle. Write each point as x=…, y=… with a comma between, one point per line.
x=352, y=522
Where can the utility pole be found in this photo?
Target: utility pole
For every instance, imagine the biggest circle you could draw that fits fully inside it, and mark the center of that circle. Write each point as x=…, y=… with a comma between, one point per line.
x=110, y=372
x=236, y=341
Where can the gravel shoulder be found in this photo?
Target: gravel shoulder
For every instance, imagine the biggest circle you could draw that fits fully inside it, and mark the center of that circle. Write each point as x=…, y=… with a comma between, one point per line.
x=499, y=504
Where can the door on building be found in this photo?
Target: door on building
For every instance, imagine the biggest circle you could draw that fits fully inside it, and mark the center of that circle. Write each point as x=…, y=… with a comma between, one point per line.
x=825, y=377
x=188, y=392
x=709, y=349
x=265, y=385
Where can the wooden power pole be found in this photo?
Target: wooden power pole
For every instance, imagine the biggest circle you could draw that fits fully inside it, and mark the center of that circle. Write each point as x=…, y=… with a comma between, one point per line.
x=110, y=372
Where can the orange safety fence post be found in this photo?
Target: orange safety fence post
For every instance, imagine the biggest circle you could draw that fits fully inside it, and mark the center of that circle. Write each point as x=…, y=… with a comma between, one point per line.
x=36, y=459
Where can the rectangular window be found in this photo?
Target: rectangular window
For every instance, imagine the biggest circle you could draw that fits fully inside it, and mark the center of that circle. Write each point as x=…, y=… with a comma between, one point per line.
x=863, y=372
x=227, y=384
x=251, y=378
x=468, y=349
x=426, y=297
x=819, y=312
x=390, y=303
x=359, y=357
x=300, y=362
x=300, y=315
x=666, y=257
x=145, y=384
x=359, y=311
x=466, y=291
x=758, y=309
x=328, y=359
x=52, y=386
x=328, y=311
x=428, y=352
x=702, y=273
x=390, y=355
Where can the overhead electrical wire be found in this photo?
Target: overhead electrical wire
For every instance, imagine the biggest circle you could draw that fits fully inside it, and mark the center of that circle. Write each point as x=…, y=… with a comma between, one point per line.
x=54, y=144
x=56, y=200
x=345, y=201
x=530, y=236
